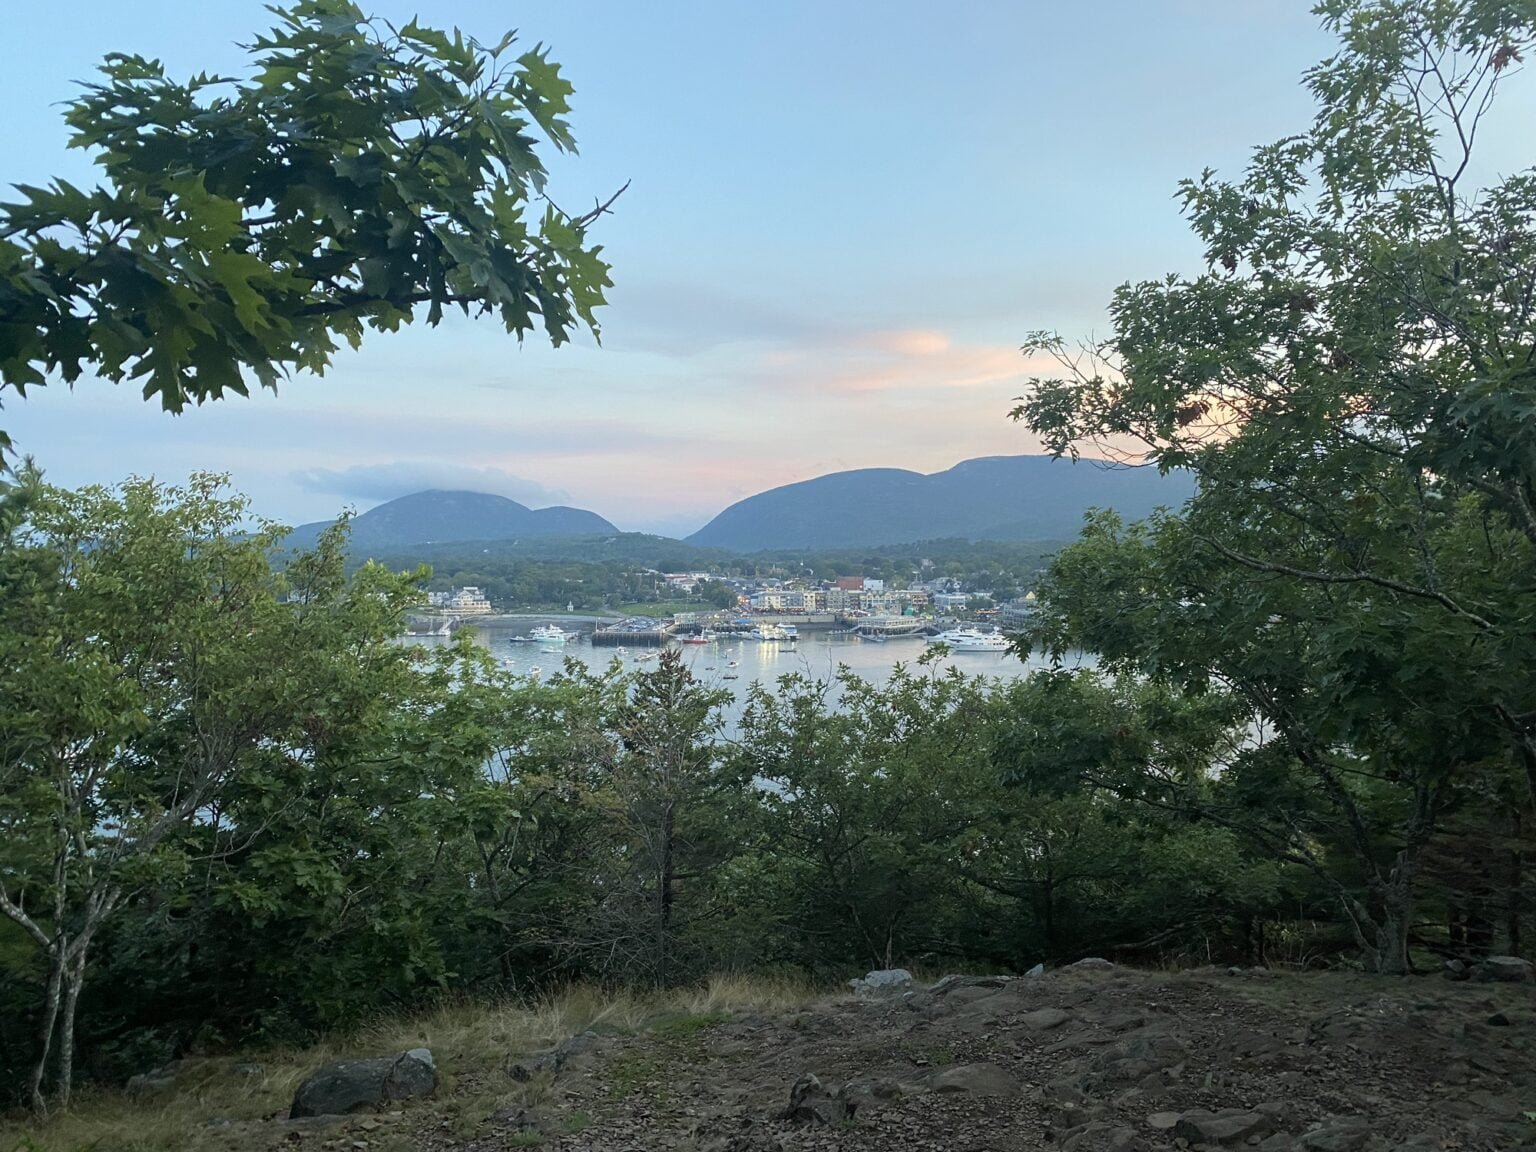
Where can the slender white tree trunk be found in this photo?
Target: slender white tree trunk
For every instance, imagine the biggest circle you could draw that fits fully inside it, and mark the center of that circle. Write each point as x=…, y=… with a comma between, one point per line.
x=56, y=961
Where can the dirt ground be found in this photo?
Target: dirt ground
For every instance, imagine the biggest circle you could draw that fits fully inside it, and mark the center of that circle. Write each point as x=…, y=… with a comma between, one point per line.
x=1071, y=1060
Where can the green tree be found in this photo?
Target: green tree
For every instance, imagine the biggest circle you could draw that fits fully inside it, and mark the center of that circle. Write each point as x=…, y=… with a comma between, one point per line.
x=246, y=226
x=870, y=789
x=153, y=660
x=671, y=792
x=1350, y=381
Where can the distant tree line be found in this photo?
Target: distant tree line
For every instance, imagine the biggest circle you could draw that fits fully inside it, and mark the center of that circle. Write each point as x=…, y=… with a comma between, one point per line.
x=1001, y=569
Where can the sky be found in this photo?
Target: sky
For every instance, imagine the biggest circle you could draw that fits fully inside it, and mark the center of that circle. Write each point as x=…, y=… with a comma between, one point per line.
x=843, y=218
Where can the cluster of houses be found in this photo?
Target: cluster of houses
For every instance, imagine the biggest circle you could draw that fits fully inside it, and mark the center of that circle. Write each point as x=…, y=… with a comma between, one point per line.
x=847, y=595
x=467, y=601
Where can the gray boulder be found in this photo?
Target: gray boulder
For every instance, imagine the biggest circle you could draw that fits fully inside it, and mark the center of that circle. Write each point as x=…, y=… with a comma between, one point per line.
x=554, y=1060
x=951, y=983
x=1503, y=969
x=810, y=1103
x=1037, y=970
x=1090, y=964
x=1339, y=1134
x=155, y=1080
x=360, y=1085
x=1230, y=1126
x=883, y=982
x=977, y=1079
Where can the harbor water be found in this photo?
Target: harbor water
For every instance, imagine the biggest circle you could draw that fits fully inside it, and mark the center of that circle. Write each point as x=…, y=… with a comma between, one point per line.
x=734, y=664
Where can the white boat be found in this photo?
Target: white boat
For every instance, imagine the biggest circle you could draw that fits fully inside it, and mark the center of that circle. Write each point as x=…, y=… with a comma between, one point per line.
x=549, y=634
x=971, y=640
x=770, y=632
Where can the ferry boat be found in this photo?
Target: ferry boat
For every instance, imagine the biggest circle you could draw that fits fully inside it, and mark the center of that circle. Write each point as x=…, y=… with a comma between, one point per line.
x=704, y=637
x=971, y=640
x=549, y=634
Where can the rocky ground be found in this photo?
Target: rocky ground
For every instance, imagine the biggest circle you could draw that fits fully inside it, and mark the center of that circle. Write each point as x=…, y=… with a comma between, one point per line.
x=1084, y=1058
x=1076, y=1060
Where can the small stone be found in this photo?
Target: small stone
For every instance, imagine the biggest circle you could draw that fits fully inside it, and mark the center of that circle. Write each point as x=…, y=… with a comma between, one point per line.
x=1499, y=1020
x=1162, y=1121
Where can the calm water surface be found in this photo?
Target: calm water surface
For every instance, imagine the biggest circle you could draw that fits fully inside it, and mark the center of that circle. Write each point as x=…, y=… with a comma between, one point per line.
x=735, y=664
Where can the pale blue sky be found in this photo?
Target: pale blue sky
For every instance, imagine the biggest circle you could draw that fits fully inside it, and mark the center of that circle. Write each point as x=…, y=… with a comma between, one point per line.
x=843, y=219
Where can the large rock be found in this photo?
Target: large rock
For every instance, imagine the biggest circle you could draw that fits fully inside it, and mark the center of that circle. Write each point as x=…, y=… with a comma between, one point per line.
x=1340, y=1134
x=953, y=983
x=359, y=1085
x=810, y=1103
x=553, y=1061
x=1044, y=1019
x=977, y=1079
x=1503, y=969
x=1091, y=964
x=1231, y=1126
x=883, y=982
x=155, y=1080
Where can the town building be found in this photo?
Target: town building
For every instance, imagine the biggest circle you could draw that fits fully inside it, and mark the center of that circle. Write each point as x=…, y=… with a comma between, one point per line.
x=469, y=601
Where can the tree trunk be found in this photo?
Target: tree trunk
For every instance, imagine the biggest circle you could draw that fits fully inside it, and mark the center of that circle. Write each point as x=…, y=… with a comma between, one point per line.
x=664, y=911
x=1515, y=890
x=1391, y=943
x=73, y=981
x=1392, y=940
x=50, y=1020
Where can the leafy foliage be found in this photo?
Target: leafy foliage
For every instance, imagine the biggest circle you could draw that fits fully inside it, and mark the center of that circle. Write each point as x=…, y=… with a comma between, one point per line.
x=249, y=226
x=1350, y=381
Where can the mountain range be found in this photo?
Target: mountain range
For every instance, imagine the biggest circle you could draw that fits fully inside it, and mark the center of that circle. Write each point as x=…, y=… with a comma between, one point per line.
x=990, y=498
x=438, y=517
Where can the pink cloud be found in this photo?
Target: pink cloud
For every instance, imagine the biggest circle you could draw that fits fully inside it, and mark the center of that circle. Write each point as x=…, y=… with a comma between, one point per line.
x=909, y=341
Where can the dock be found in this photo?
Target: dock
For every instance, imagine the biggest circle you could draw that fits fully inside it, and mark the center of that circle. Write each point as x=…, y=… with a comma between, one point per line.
x=634, y=633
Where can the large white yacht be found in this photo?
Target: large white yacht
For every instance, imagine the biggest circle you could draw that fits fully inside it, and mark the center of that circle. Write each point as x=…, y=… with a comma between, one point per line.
x=971, y=640
x=550, y=634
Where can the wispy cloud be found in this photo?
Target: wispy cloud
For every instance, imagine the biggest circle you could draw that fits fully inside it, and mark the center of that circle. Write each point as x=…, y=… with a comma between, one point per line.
x=401, y=477
x=907, y=360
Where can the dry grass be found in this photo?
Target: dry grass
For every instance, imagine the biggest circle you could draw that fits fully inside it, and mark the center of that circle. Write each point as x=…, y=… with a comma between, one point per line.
x=226, y=1103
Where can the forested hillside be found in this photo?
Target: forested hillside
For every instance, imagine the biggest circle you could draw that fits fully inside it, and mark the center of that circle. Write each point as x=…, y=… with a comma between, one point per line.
x=428, y=518
x=993, y=498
